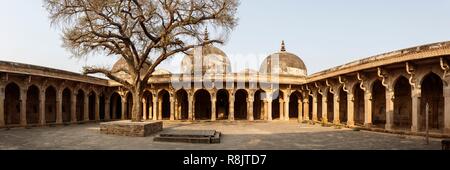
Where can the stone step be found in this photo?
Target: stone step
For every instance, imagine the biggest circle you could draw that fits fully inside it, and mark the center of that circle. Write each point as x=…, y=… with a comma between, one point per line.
x=189, y=133
x=190, y=139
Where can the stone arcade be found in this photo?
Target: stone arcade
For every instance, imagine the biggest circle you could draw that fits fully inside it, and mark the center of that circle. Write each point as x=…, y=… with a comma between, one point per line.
x=386, y=92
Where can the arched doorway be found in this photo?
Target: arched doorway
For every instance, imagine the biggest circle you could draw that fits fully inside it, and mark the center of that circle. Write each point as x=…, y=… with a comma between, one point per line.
x=240, y=105
x=342, y=105
x=12, y=104
x=182, y=105
x=432, y=94
x=310, y=107
x=80, y=106
x=50, y=104
x=202, y=105
x=294, y=110
x=164, y=104
x=258, y=104
x=358, y=106
x=330, y=107
x=148, y=107
x=222, y=105
x=101, y=107
x=92, y=98
x=402, y=104
x=32, y=105
x=66, y=105
x=319, y=107
x=129, y=106
x=277, y=104
x=116, y=106
x=378, y=104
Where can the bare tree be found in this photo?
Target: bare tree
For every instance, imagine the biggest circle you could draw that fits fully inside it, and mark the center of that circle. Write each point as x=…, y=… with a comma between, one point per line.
x=142, y=32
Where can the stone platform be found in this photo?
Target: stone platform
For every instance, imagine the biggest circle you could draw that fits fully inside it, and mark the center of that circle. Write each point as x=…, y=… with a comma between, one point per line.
x=128, y=128
x=190, y=136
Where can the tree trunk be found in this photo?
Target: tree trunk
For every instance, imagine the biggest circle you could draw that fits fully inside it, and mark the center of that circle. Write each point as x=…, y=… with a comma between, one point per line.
x=137, y=105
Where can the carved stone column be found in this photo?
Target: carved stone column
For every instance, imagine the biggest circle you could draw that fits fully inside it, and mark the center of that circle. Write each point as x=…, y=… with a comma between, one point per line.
x=86, y=107
x=97, y=107
x=336, y=115
x=155, y=107
x=23, y=107
x=325, y=108
x=269, y=107
x=42, y=120
x=191, y=107
x=213, y=106
x=172, y=107
x=446, y=109
x=2, y=105
x=368, y=108
x=300, y=110
x=350, y=110
x=306, y=108
x=124, y=108
x=107, y=116
x=389, y=109
x=160, y=104
x=59, y=107
x=144, y=109
x=231, y=109
x=281, y=109
x=314, y=111
x=416, y=94
x=250, y=100
x=73, y=107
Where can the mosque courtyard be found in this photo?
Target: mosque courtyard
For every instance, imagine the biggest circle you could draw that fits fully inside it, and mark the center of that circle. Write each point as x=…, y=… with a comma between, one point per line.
x=276, y=135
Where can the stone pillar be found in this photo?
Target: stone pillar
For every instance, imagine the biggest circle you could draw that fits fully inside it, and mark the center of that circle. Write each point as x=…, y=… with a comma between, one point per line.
x=191, y=107
x=300, y=110
x=350, y=110
x=86, y=107
x=314, y=111
x=286, y=108
x=213, y=106
x=231, y=109
x=336, y=119
x=269, y=107
x=368, y=108
x=155, y=107
x=446, y=109
x=213, y=109
x=416, y=94
x=73, y=107
x=42, y=108
x=389, y=109
x=172, y=108
x=97, y=107
x=23, y=107
x=144, y=109
x=59, y=119
x=160, y=102
x=150, y=110
x=306, y=108
x=177, y=117
x=281, y=109
x=124, y=108
x=250, y=100
x=264, y=110
x=325, y=108
x=2, y=106
x=107, y=109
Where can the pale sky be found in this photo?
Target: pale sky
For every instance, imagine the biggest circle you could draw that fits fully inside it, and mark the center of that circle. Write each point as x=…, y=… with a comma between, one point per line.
x=324, y=33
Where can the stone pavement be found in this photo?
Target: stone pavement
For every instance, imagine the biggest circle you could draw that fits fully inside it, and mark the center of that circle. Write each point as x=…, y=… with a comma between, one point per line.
x=235, y=136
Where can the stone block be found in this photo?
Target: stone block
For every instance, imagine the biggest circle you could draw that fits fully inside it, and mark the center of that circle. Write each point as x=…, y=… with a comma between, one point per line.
x=128, y=128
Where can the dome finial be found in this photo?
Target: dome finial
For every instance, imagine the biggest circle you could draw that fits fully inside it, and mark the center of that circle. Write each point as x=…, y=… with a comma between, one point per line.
x=283, y=46
x=206, y=34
